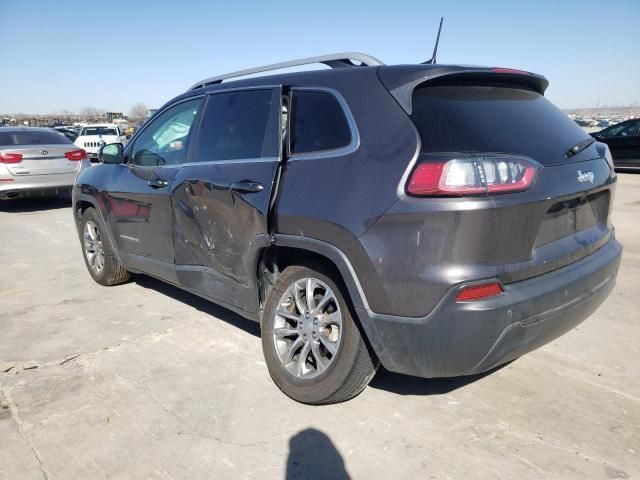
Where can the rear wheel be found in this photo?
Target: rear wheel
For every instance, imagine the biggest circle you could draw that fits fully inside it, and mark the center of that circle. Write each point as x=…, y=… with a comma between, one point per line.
x=98, y=252
x=314, y=350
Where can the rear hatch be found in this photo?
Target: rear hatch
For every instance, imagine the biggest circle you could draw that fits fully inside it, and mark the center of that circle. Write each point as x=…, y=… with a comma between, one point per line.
x=43, y=160
x=563, y=215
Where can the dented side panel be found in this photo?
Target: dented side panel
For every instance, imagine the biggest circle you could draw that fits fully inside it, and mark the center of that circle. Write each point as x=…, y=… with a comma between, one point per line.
x=214, y=225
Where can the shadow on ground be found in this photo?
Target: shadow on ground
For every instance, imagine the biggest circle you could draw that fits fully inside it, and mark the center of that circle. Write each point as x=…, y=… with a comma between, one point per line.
x=198, y=303
x=407, y=385
x=383, y=380
x=34, y=204
x=312, y=455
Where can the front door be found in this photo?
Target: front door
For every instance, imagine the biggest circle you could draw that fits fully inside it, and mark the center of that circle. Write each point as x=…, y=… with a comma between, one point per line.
x=221, y=197
x=139, y=205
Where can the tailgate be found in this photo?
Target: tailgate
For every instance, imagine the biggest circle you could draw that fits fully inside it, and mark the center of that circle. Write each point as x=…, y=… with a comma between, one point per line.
x=557, y=222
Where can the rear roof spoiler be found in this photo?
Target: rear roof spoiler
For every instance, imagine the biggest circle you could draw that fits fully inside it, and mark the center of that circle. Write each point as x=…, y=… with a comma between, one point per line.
x=401, y=80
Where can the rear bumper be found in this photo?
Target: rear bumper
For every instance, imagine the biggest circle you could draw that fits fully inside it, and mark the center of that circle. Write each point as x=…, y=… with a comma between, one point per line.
x=468, y=338
x=36, y=185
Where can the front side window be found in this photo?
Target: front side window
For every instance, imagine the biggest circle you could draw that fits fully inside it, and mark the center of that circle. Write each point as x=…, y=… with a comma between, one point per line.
x=164, y=141
x=318, y=122
x=239, y=125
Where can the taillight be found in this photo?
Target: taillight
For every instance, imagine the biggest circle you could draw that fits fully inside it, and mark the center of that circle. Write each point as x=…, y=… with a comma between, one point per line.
x=472, y=176
x=10, y=157
x=477, y=292
x=76, y=155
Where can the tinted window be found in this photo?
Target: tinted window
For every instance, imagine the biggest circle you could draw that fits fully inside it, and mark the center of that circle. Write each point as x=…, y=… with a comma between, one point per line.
x=34, y=137
x=164, y=140
x=318, y=122
x=99, y=131
x=239, y=125
x=68, y=133
x=492, y=119
x=624, y=130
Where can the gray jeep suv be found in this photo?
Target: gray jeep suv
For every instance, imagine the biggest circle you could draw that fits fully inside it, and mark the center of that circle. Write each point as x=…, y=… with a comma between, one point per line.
x=438, y=219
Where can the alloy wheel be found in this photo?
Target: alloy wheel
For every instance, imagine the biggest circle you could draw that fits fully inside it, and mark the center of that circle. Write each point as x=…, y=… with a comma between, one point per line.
x=93, y=248
x=307, y=328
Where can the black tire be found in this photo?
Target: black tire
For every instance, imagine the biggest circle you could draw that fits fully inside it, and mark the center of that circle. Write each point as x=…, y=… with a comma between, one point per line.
x=350, y=369
x=113, y=273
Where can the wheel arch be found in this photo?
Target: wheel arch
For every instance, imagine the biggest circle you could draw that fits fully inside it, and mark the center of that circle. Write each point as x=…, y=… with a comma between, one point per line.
x=293, y=250
x=80, y=204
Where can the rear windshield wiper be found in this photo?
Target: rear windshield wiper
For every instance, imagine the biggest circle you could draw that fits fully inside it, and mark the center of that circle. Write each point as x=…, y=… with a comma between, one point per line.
x=579, y=147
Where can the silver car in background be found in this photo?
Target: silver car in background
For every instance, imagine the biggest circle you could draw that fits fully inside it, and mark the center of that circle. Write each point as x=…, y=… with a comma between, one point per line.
x=37, y=162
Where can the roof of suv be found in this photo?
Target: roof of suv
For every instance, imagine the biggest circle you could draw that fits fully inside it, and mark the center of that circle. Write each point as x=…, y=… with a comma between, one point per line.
x=400, y=80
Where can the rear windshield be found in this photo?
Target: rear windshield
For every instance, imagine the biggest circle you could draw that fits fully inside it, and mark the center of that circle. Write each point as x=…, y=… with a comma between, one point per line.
x=99, y=131
x=492, y=119
x=35, y=137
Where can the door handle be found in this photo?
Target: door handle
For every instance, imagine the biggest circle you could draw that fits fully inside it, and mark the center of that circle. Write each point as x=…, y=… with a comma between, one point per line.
x=157, y=183
x=247, y=186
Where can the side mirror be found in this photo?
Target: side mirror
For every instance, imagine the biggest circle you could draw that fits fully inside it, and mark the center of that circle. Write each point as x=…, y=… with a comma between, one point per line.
x=111, y=153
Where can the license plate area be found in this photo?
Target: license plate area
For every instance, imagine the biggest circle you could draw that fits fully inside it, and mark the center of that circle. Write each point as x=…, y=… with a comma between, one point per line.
x=571, y=216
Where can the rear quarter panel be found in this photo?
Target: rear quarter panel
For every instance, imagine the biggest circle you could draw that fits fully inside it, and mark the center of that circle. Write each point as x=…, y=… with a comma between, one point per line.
x=337, y=199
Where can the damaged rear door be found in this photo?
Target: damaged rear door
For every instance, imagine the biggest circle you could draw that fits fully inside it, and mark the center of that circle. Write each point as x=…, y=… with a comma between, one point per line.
x=221, y=198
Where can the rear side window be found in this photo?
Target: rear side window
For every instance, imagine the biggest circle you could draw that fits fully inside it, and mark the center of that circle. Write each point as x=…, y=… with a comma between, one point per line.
x=239, y=126
x=35, y=137
x=99, y=131
x=492, y=119
x=317, y=123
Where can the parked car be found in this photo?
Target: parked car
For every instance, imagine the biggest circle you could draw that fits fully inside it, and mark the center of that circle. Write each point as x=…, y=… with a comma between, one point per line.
x=623, y=140
x=37, y=161
x=582, y=123
x=92, y=137
x=365, y=214
x=69, y=132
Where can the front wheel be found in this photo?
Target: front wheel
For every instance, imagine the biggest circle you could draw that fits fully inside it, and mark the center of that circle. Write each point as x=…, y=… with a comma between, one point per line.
x=314, y=350
x=98, y=252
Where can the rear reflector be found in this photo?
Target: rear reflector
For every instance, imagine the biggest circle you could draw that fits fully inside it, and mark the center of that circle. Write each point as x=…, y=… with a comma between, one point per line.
x=10, y=157
x=76, y=155
x=477, y=292
x=6, y=179
x=472, y=175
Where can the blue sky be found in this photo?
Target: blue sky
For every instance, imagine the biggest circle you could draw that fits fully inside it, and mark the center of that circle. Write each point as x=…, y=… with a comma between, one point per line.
x=72, y=54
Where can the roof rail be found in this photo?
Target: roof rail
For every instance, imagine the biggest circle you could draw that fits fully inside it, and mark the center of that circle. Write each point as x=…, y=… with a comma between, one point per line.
x=334, y=60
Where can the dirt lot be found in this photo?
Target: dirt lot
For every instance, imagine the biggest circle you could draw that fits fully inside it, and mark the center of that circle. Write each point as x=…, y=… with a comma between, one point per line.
x=145, y=381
